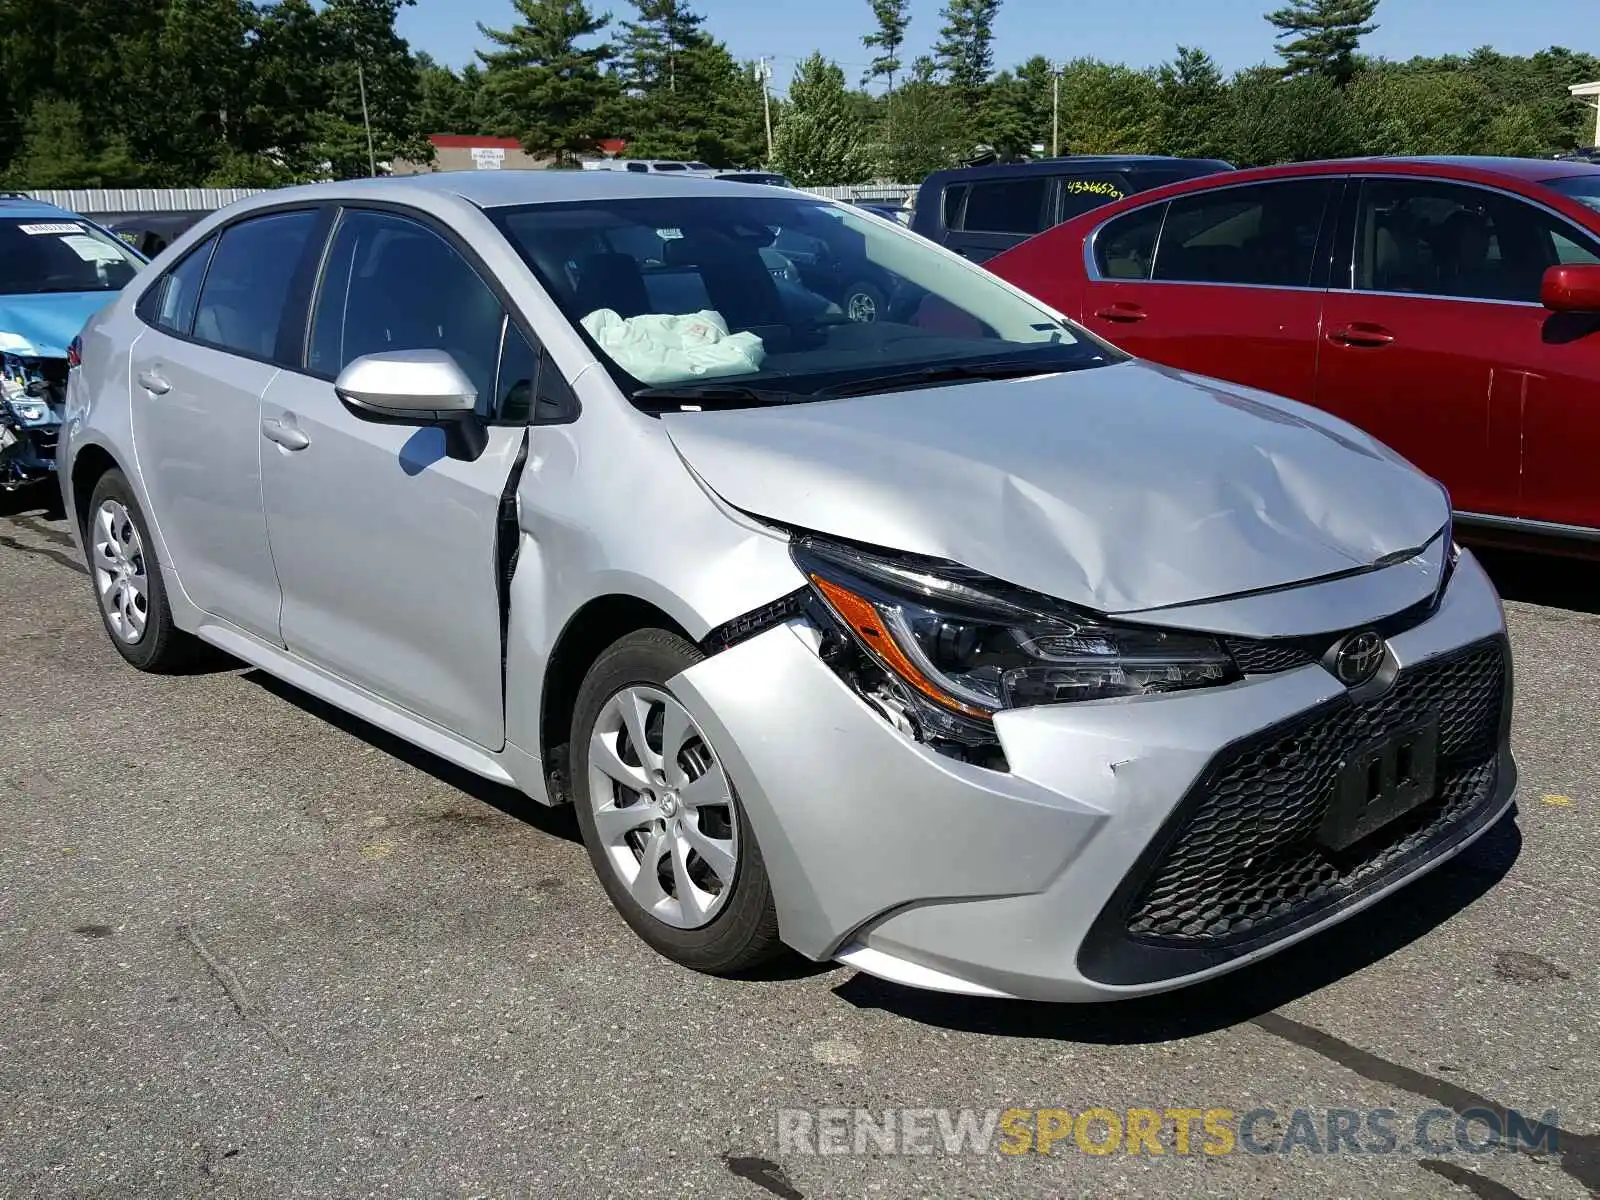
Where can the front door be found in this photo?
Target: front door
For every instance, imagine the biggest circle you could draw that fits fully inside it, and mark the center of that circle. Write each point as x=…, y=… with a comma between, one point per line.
x=1431, y=346
x=385, y=546
x=1226, y=282
x=197, y=377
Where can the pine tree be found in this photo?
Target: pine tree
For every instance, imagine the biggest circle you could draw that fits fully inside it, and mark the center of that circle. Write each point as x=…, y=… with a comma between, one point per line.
x=893, y=17
x=545, y=88
x=653, y=45
x=1192, y=101
x=1324, y=36
x=966, y=44
x=822, y=139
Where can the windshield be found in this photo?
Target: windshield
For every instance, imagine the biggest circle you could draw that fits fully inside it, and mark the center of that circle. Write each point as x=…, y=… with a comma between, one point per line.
x=1585, y=189
x=42, y=254
x=781, y=296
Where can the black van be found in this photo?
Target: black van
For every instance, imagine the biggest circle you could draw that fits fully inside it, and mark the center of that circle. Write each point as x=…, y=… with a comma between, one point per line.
x=980, y=211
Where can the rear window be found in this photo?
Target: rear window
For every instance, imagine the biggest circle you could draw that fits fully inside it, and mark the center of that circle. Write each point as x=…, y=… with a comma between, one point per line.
x=1006, y=205
x=1585, y=189
x=1126, y=247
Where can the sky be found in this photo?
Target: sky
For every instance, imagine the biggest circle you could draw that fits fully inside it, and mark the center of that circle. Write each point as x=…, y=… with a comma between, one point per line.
x=1137, y=32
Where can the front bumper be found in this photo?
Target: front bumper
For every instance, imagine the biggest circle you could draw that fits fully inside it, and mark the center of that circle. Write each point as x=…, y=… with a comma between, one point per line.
x=910, y=865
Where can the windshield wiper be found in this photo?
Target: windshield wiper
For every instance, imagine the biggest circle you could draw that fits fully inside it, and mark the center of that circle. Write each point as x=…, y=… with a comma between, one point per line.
x=951, y=373
x=675, y=397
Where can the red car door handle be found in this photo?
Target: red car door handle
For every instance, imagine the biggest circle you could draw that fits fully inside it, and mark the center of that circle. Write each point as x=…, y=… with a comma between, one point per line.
x=1124, y=312
x=1362, y=334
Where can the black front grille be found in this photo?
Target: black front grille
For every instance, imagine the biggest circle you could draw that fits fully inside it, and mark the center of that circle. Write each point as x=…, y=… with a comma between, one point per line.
x=1268, y=657
x=1241, y=861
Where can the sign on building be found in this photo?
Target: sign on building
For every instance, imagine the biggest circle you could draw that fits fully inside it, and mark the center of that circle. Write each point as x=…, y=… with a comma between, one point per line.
x=488, y=158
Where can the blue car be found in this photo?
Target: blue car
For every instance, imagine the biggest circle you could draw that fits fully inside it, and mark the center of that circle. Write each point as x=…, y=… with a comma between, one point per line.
x=56, y=271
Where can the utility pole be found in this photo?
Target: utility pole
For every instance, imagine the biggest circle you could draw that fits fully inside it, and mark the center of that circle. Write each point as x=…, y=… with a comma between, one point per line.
x=361, y=82
x=765, y=73
x=1055, y=113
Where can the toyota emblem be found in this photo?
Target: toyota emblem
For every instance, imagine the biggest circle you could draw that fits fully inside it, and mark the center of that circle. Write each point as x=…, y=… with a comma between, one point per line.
x=1358, y=658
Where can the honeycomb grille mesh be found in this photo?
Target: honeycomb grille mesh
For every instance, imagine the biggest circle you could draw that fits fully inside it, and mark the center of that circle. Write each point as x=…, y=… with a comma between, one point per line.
x=1267, y=658
x=1247, y=858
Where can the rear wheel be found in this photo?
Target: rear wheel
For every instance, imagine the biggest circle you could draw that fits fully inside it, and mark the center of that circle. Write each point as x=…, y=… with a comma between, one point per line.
x=127, y=582
x=662, y=823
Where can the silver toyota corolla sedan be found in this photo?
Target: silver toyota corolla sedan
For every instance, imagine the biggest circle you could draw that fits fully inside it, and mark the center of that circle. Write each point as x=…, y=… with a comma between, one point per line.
x=952, y=644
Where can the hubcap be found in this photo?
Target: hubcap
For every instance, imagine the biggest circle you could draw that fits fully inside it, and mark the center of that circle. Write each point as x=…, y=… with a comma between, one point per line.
x=861, y=307
x=663, y=807
x=119, y=572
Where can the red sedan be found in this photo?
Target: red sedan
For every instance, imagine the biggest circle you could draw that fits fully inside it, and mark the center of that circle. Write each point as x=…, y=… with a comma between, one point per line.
x=1451, y=307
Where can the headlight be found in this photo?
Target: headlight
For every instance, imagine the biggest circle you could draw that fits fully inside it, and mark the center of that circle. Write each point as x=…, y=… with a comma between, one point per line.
x=29, y=410
x=974, y=645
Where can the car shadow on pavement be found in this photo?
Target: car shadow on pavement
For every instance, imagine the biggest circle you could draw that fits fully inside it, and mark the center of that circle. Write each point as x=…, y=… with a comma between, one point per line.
x=1548, y=580
x=557, y=821
x=1397, y=921
x=43, y=499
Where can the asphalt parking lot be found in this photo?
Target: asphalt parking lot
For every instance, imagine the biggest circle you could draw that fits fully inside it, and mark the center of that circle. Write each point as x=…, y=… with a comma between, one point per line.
x=250, y=948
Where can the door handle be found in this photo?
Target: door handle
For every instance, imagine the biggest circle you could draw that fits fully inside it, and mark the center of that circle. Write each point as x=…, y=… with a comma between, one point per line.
x=153, y=383
x=1362, y=335
x=1124, y=312
x=287, y=436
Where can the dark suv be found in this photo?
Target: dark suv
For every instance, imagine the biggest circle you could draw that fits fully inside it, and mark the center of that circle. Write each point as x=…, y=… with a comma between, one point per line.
x=980, y=211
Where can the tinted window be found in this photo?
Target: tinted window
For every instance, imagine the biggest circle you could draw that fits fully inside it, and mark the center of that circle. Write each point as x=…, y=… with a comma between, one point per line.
x=1083, y=193
x=1126, y=247
x=1265, y=234
x=1006, y=206
x=391, y=283
x=1441, y=239
x=519, y=372
x=180, y=291
x=638, y=168
x=242, y=302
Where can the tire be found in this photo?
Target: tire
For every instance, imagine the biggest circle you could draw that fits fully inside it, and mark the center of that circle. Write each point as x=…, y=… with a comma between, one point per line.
x=157, y=645
x=863, y=302
x=717, y=926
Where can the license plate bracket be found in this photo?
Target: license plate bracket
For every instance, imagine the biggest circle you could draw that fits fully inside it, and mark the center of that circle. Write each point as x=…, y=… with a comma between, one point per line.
x=1381, y=782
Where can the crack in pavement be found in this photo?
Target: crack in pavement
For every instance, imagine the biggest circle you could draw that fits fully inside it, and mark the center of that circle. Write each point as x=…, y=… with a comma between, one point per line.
x=1579, y=1153
x=236, y=992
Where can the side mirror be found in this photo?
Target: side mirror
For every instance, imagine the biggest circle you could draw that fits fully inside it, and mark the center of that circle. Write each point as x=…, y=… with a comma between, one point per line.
x=416, y=387
x=1571, y=288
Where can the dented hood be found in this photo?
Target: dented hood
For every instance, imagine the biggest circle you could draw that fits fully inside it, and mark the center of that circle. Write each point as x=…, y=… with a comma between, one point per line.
x=1119, y=488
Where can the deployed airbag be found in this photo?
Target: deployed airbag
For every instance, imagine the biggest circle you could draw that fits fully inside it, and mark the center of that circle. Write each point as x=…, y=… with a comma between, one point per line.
x=670, y=348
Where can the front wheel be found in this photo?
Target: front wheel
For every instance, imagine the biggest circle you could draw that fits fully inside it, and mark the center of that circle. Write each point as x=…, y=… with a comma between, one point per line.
x=863, y=303
x=660, y=818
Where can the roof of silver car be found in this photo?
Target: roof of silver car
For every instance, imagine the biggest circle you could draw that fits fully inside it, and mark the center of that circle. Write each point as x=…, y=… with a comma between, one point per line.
x=499, y=189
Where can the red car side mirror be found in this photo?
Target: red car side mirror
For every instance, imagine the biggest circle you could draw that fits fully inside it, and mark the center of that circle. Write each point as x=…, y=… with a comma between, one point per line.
x=1571, y=288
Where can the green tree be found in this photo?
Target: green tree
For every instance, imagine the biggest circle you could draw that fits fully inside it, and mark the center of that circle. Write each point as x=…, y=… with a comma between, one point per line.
x=651, y=47
x=1321, y=37
x=546, y=84
x=1014, y=116
x=57, y=152
x=931, y=130
x=822, y=140
x=1191, y=106
x=965, y=51
x=1420, y=112
x=887, y=40
x=363, y=50
x=1274, y=120
x=448, y=102
x=1107, y=108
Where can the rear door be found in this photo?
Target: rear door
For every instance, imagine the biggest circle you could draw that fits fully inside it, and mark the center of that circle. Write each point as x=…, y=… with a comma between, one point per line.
x=386, y=547
x=198, y=372
x=991, y=215
x=1226, y=282
x=1434, y=340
